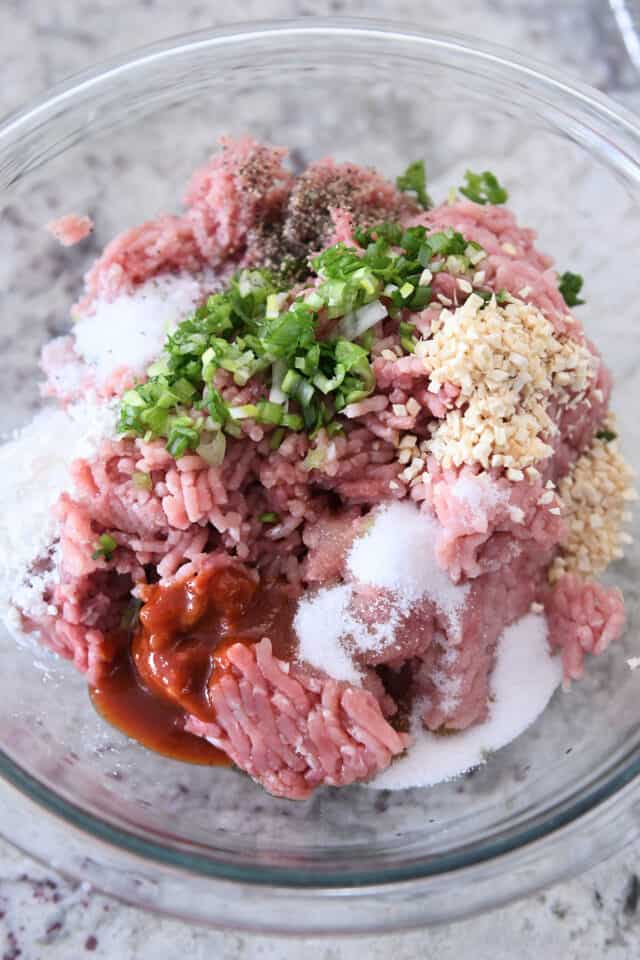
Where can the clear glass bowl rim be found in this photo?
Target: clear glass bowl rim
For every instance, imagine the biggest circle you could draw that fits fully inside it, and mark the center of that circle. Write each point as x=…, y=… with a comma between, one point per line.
x=616, y=135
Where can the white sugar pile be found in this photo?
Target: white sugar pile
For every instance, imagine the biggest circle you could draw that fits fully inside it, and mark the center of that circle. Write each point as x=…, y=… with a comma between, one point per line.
x=320, y=624
x=478, y=493
x=131, y=330
x=522, y=683
x=396, y=555
x=34, y=471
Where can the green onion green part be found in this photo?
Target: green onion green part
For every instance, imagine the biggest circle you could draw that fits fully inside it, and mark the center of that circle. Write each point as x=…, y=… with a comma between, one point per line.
x=104, y=547
x=414, y=180
x=269, y=518
x=570, y=285
x=483, y=188
x=257, y=332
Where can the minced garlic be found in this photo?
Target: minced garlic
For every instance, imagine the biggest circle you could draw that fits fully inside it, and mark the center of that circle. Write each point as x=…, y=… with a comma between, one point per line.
x=509, y=364
x=594, y=496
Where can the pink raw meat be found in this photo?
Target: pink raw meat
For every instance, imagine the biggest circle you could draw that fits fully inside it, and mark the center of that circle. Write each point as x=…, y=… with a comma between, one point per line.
x=70, y=229
x=293, y=731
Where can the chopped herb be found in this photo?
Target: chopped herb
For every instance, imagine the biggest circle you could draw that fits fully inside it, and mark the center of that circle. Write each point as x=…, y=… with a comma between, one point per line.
x=391, y=233
x=502, y=296
x=269, y=518
x=606, y=435
x=218, y=409
x=293, y=421
x=447, y=242
x=408, y=337
x=182, y=435
x=570, y=285
x=414, y=180
x=267, y=412
x=213, y=451
x=276, y=438
x=104, y=547
x=314, y=459
x=258, y=331
x=483, y=188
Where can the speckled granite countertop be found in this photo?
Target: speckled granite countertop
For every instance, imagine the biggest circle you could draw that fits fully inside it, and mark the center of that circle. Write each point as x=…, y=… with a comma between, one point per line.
x=43, y=916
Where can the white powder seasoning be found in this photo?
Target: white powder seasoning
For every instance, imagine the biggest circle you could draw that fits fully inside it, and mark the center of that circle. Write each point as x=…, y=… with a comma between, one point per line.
x=397, y=553
x=34, y=471
x=320, y=624
x=479, y=494
x=131, y=330
x=523, y=681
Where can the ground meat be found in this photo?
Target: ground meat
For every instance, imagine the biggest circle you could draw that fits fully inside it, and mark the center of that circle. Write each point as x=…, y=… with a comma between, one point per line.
x=293, y=731
x=290, y=726
x=70, y=229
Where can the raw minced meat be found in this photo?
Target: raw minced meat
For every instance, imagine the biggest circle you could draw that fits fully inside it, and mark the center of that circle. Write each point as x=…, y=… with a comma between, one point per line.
x=411, y=494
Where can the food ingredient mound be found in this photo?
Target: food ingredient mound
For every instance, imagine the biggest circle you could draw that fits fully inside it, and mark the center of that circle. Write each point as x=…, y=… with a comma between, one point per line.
x=325, y=479
x=523, y=680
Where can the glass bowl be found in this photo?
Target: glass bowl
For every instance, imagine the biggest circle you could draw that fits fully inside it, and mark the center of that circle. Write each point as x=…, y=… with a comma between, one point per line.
x=207, y=844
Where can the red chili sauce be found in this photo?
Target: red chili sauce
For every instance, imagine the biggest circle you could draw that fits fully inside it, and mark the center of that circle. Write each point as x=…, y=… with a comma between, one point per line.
x=166, y=670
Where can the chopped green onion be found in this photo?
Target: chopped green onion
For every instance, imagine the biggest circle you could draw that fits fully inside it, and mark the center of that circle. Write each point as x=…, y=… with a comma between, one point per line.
x=274, y=303
x=414, y=180
x=243, y=332
x=293, y=421
x=408, y=337
x=276, y=438
x=246, y=411
x=269, y=517
x=354, y=324
x=304, y=392
x=334, y=427
x=267, y=412
x=182, y=435
x=447, y=242
x=104, y=547
x=421, y=298
x=570, y=285
x=483, y=188
x=214, y=450
x=606, y=435
x=278, y=373
x=457, y=263
x=216, y=406
x=314, y=459
x=290, y=382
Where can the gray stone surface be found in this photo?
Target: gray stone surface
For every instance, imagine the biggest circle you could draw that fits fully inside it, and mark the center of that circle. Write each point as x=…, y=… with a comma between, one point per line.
x=43, y=916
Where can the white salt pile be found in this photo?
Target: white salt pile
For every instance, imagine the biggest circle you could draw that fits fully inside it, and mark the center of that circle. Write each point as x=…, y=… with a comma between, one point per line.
x=397, y=555
x=34, y=471
x=522, y=683
x=131, y=330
